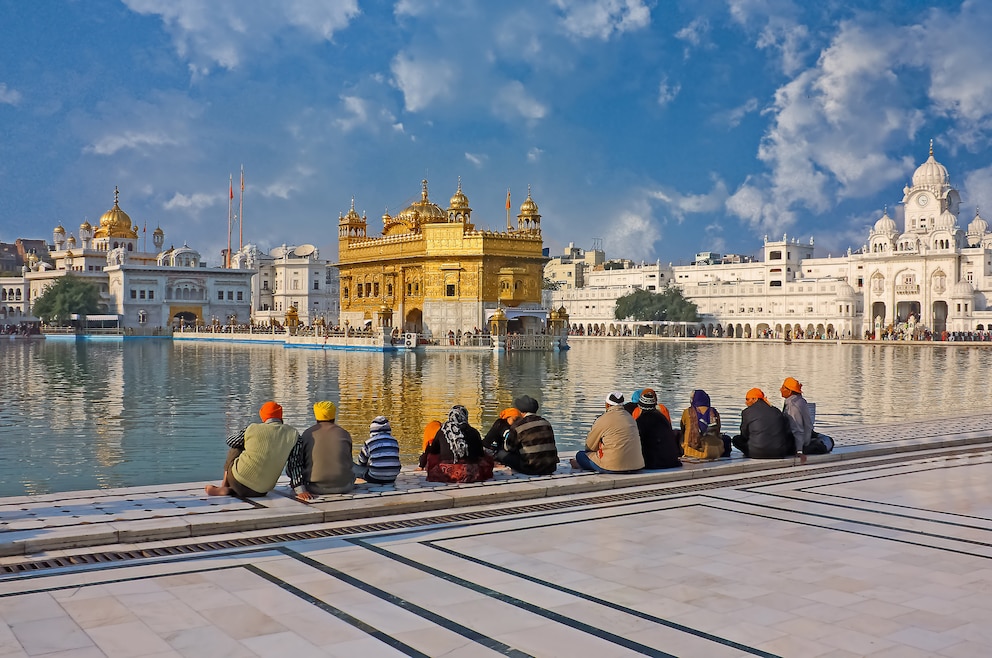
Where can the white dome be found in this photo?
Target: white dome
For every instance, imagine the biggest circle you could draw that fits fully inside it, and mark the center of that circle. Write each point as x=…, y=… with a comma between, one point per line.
x=962, y=289
x=931, y=173
x=886, y=224
x=978, y=226
x=845, y=291
x=946, y=220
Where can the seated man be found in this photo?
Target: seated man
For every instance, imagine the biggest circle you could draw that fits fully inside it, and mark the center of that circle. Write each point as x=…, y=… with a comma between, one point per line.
x=379, y=459
x=765, y=432
x=613, y=444
x=530, y=441
x=327, y=454
x=800, y=417
x=659, y=446
x=257, y=456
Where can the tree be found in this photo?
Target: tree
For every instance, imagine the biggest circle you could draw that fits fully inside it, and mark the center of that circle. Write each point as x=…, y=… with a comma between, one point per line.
x=68, y=295
x=550, y=284
x=669, y=304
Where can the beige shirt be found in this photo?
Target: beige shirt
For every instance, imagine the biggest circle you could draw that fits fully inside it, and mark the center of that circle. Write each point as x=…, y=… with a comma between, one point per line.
x=614, y=443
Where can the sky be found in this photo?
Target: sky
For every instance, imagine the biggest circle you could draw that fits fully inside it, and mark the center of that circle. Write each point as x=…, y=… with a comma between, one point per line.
x=655, y=128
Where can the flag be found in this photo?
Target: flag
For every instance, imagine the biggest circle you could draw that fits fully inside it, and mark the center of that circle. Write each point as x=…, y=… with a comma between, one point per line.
x=145, y=229
x=507, y=198
x=232, y=187
x=242, y=179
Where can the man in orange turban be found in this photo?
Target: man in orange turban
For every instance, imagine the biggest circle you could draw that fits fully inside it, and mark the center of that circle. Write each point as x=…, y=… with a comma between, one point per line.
x=764, y=430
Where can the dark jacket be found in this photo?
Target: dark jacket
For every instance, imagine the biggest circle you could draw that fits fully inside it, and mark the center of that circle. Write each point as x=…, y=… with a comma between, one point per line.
x=494, y=437
x=766, y=431
x=439, y=446
x=530, y=446
x=658, y=443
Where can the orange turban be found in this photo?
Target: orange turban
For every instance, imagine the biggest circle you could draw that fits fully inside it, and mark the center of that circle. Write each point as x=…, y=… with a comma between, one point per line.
x=430, y=431
x=792, y=385
x=755, y=394
x=270, y=410
x=510, y=412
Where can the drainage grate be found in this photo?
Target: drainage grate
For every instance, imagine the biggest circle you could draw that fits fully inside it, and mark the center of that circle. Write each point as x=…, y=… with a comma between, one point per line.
x=406, y=524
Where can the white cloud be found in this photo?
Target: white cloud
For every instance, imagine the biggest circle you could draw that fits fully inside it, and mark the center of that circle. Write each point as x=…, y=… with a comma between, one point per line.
x=223, y=32
x=633, y=233
x=775, y=26
x=977, y=192
x=601, y=19
x=359, y=112
x=534, y=154
x=513, y=101
x=477, y=160
x=194, y=202
x=667, y=92
x=9, y=96
x=680, y=204
x=421, y=81
x=694, y=33
x=128, y=140
x=733, y=117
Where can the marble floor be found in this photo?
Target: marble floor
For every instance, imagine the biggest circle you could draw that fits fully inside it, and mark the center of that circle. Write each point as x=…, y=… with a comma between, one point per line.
x=888, y=558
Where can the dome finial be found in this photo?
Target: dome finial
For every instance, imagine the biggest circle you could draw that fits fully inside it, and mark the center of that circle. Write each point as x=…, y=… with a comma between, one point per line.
x=459, y=183
x=353, y=202
x=885, y=209
x=423, y=193
x=116, y=193
x=931, y=147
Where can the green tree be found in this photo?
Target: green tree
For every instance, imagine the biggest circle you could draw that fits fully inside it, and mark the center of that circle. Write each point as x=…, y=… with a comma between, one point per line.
x=550, y=284
x=68, y=295
x=669, y=304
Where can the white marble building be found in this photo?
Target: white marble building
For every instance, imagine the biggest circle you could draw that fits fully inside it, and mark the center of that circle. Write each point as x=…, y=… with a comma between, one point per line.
x=930, y=274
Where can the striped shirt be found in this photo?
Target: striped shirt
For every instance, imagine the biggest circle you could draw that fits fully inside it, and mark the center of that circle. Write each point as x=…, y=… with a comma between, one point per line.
x=381, y=454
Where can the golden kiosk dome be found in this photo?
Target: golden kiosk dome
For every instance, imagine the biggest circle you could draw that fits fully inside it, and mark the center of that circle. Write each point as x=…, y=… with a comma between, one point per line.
x=528, y=207
x=458, y=201
x=422, y=212
x=115, y=223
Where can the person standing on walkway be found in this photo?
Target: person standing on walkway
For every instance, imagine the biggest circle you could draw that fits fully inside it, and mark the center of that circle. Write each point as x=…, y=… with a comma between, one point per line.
x=379, y=460
x=613, y=445
x=328, y=468
x=257, y=456
x=530, y=441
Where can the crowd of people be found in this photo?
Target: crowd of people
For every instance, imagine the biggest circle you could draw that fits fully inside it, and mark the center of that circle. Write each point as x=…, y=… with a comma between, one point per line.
x=629, y=436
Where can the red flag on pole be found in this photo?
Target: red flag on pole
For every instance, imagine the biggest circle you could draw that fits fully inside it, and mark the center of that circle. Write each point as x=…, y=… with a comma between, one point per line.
x=232, y=188
x=507, y=198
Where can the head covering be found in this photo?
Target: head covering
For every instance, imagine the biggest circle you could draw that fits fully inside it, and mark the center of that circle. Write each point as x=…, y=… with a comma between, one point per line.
x=526, y=404
x=755, y=394
x=701, y=399
x=324, y=410
x=452, y=430
x=647, y=399
x=430, y=431
x=510, y=412
x=636, y=395
x=792, y=385
x=379, y=425
x=614, y=399
x=270, y=410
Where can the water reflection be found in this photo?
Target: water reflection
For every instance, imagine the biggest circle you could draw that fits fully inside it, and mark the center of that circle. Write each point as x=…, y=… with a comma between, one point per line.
x=89, y=415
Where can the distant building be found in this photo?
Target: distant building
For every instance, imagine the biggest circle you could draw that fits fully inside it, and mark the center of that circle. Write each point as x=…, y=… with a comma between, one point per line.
x=569, y=269
x=930, y=275
x=432, y=271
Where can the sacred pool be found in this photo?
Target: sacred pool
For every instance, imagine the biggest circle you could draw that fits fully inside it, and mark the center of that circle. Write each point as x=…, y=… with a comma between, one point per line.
x=85, y=415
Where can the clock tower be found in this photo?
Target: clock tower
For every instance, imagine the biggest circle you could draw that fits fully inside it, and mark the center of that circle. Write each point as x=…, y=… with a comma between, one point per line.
x=929, y=197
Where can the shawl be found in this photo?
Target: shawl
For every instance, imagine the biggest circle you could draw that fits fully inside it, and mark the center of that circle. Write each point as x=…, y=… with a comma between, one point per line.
x=701, y=399
x=452, y=430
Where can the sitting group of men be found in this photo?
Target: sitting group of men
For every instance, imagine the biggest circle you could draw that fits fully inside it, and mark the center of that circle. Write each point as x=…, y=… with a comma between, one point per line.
x=624, y=439
x=318, y=461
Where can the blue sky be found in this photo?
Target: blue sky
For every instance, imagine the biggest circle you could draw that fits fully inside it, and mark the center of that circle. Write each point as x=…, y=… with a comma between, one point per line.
x=661, y=128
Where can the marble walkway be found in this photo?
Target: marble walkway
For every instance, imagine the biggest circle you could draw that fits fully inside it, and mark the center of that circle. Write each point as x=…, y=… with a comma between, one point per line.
x=878, y=549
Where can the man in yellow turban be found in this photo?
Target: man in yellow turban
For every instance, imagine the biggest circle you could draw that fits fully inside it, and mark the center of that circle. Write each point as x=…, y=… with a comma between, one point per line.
x=327, y=448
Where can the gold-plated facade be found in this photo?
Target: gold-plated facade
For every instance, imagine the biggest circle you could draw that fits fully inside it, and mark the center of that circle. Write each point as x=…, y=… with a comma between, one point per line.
x=434, y=270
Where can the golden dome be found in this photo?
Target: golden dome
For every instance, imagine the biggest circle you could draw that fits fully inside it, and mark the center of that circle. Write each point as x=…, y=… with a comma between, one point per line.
x=115, y=223
x=85, y=226
x=72, y=241
x=528, y=207
x=422, y=212
x=59, y=230
x=459, y=201
x=158, y=231
x=498, y=315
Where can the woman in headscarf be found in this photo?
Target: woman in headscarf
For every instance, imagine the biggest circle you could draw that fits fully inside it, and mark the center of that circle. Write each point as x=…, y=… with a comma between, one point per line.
x=701, y=437
x=430, y=431
x=493, y=441
x=461, y=457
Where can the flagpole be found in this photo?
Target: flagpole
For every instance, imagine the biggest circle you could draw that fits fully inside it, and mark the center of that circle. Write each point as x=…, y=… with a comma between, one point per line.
x=241, y=211
x=508, y=229
x=230, y=209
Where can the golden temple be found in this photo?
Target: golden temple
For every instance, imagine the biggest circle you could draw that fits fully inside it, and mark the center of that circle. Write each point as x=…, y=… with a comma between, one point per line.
x=432, y=271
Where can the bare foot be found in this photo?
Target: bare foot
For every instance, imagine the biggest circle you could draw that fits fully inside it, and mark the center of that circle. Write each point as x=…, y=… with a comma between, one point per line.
x=214, y=490
x=573, y=463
